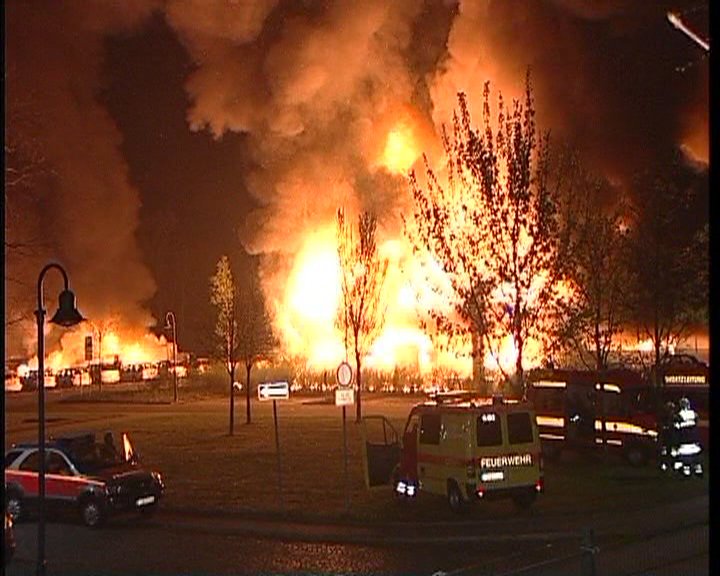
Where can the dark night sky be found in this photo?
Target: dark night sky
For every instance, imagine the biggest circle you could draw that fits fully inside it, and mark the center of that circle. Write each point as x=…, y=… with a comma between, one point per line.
x=175, y=131
x=193, y=196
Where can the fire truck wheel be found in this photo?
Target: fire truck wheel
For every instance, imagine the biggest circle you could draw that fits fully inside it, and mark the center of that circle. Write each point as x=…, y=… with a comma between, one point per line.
x=92, y=512
x=635, y=455
x=455, y=498
x=14, y=505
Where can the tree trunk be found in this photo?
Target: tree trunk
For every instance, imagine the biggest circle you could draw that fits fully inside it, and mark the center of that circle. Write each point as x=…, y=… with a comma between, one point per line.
x=598, y=346
x=519, y=367
x=478, y=359
x=232, y=400
x=658, y=344
x=358, y=379
x=248, y=367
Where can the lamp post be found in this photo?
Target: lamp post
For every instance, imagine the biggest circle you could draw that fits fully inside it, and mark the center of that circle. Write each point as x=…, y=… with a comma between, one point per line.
x=170, y=323
x=67, y=315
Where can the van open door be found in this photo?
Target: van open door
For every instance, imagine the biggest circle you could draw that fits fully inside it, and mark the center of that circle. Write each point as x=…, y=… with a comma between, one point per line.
x=380, y=450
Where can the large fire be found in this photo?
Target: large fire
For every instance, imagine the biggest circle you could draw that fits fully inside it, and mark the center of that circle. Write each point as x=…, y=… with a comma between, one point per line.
x=400, y=150
x=306, y=317
x=119, y=349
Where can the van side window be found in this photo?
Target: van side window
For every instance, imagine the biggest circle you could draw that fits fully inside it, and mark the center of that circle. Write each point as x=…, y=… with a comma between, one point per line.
x=430, y=429
x=519, y=428
x=489, y=432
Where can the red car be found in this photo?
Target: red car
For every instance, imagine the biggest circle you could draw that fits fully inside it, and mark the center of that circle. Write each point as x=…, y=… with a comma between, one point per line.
x=93, y=477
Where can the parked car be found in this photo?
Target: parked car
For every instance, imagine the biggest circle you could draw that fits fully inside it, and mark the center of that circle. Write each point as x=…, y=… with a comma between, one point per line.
x=12, y=382
x=84, y=472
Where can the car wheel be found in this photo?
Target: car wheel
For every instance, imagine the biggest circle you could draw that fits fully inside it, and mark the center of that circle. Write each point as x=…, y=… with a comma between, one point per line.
x=14, y=505
x=92, y=512
x=455, y=497
x=523, y=500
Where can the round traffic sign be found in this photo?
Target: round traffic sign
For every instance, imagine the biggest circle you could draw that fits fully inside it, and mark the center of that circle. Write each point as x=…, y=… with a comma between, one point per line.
x=344, y=375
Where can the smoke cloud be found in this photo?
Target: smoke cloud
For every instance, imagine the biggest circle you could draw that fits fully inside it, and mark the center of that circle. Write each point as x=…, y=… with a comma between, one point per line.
x=317, y=86
x=90, y=210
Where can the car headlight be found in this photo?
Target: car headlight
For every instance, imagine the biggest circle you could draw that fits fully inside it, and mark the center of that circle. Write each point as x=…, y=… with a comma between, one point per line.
x=158, y=479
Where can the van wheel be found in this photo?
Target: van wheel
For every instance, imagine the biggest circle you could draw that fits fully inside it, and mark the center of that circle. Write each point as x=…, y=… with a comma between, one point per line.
x=523, y=500
x=147, y=512
x=455, y=498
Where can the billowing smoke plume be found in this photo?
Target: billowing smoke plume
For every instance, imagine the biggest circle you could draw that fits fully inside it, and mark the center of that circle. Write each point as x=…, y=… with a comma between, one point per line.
x=90, y=211
x=319, y=87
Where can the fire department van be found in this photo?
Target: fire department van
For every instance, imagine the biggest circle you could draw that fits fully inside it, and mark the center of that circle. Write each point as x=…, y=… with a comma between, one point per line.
x=462, y=447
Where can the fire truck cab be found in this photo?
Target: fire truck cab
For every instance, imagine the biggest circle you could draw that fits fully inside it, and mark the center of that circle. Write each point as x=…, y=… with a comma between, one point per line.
x=465, y=448
x=683, y=376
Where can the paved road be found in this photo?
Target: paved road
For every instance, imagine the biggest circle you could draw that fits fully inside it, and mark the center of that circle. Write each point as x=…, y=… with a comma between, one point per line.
x=672, y=539
x=158, y=548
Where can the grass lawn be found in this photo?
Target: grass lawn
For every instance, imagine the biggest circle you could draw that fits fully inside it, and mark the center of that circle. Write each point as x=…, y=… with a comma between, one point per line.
x=206, y=468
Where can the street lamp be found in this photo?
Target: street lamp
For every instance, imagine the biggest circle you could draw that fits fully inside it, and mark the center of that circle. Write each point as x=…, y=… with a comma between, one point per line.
x=67, y=315
x=170, y=323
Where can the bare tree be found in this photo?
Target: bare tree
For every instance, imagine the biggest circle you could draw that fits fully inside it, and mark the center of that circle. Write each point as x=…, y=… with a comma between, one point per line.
x=667, y=289
x=223, y=296
x=494, y=228
x=255, y=338
x=597, y=271
x=26, y=171
x=102, y=328
x=363, y=271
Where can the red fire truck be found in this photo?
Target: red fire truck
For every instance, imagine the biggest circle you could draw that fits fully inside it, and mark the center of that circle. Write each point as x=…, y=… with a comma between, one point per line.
x=684, y=376
x=582, y=409
x=617, y=409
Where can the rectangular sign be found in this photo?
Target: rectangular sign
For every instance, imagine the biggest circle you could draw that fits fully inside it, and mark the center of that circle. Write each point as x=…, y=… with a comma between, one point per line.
x=344, y=396
x=274, y=391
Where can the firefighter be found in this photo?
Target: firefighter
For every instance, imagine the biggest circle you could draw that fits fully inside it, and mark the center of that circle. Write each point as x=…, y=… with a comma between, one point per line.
x=680, y=449
x=668, y=436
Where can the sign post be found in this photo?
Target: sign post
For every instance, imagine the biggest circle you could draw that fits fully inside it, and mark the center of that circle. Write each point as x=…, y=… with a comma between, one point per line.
x=275, y=391
x=344, y=396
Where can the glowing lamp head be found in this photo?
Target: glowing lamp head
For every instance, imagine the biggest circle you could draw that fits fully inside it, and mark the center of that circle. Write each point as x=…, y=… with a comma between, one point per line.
x=67, y=314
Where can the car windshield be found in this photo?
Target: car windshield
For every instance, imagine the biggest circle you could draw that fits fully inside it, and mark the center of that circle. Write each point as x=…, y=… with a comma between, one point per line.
x=91, y=457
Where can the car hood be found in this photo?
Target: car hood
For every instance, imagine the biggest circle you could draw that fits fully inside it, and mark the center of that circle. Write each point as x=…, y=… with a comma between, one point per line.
x=121, y=472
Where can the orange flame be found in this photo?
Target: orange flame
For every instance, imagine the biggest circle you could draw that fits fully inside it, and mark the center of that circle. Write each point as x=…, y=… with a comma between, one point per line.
x=400, y=150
